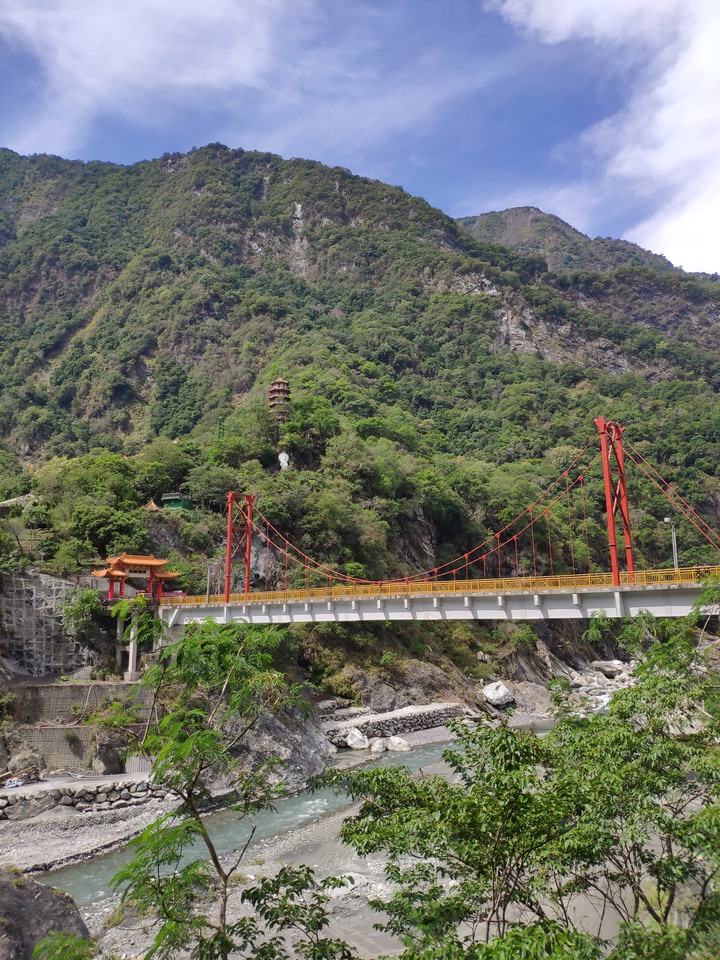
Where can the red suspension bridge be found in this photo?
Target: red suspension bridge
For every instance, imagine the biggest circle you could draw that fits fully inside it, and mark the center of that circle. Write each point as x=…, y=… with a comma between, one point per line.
x=522, y=571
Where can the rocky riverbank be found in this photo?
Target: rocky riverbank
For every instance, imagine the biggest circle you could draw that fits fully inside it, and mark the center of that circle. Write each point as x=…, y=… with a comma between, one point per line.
x=61, y=836
x=591, y=687
x=81, y=796
x=76, y=819
x=55, y=834
x=317, y=845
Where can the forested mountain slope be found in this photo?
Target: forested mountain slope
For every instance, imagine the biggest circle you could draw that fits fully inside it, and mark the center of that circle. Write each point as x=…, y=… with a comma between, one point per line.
x=531, y=232
x=438, y=381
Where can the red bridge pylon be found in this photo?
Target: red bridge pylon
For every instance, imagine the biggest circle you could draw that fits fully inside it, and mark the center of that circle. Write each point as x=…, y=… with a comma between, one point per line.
x=239, y=537
x=616, y=498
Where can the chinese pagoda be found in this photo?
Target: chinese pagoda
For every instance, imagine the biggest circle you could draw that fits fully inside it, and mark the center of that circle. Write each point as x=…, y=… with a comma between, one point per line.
x=279, y=399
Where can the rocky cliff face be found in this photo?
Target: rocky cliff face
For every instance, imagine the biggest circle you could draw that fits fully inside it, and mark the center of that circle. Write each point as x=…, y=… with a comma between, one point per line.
x=30, y=911
x=31, y=629
x=296, y=739
x=32, y=636
x=411, y=682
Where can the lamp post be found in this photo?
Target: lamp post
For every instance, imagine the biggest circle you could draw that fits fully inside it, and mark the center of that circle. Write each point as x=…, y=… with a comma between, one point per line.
x=674, y=540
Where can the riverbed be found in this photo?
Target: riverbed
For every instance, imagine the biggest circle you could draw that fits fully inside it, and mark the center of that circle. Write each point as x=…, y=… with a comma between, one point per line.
x=303, y=829
x=89, y=881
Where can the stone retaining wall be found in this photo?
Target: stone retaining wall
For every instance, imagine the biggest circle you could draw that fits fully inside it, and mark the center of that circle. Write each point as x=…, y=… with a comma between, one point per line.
x=16, y=805
x=64, y=746
x=47, y=701
x=31, y=627
x=406, y=720
x=67, y=747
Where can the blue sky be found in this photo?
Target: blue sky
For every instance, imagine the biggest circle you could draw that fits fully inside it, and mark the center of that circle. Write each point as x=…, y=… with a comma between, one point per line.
x=605, y=112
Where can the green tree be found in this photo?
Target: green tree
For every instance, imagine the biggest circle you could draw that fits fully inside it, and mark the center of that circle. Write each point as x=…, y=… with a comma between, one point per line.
x=81, y=613
x=623, y=809
x=9, y=554
x=209, y=690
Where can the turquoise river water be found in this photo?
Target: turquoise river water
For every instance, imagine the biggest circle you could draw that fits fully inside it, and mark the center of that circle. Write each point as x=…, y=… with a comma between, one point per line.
x=89, y=881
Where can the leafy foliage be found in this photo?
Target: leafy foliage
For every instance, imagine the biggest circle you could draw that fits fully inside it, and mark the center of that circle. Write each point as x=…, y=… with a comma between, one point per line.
x=209, y=690
x=621, y=810
x=81, y=612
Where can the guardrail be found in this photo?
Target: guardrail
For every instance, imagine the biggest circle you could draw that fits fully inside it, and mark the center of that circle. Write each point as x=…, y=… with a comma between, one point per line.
x=351, y=591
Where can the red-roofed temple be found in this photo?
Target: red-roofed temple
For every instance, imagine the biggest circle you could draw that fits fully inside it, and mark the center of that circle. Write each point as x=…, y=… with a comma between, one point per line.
x=129, y=566
x=150, y=569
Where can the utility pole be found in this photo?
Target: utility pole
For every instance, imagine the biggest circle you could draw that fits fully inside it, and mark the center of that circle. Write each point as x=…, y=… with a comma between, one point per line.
x=674, y=541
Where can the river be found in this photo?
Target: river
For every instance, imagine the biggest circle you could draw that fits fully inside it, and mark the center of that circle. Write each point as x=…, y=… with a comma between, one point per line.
x=89, y=881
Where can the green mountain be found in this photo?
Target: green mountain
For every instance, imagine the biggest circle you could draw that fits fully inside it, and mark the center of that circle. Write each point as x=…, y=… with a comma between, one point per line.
x=438, y=381
x=531, y=232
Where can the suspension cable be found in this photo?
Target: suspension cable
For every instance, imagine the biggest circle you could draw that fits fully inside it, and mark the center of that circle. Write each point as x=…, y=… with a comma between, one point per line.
x=291, y=552
x=674, y=496
x=547, y=519
x=570, y=524
x=585, y=521
x=684, y=508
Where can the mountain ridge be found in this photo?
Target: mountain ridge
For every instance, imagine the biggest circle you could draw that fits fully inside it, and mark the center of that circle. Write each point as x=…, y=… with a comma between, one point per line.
x=434, y=375
x=532, y=232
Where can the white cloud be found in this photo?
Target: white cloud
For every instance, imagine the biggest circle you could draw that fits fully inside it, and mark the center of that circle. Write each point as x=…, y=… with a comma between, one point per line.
x=114, y=57
x=619, y=21
x=352, y=111
x=664, y=144
x=295, y=76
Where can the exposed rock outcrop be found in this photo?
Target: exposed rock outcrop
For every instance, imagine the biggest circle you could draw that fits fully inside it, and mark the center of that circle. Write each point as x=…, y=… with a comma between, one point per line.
x=29, y=912
x=109, y=753
x=412, y=682
x=297, y=740
x=559, y=650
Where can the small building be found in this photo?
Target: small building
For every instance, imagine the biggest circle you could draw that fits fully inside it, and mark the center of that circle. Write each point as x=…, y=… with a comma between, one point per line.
x=175, y=501
x=130, y=566
x=279, y=399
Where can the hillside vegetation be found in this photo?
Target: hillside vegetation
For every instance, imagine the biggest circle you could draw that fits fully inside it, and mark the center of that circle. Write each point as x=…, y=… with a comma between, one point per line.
x=529, y=231
x=438, y=382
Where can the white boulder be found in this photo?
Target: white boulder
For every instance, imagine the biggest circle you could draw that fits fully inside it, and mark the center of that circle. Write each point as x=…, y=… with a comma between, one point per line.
x=397, y=743
x=356, y=740
x=498, y=694
x=609, y=668
x=378, y=745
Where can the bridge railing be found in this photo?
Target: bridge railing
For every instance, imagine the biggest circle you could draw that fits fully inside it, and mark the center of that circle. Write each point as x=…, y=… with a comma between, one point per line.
x=350, y=591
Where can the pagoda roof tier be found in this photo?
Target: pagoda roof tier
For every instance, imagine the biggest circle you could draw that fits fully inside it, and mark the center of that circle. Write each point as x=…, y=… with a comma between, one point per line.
x=109, y=572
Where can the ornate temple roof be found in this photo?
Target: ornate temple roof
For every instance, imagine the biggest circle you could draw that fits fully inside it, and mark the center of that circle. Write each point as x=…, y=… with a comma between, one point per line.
x=130, y=564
